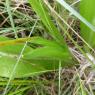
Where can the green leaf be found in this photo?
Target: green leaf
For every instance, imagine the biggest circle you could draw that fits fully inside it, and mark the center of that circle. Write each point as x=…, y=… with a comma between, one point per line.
x=46, y=57
x=88, y=12
x=8, y=59
x=51, y=50
x=56, y=53
x=48, y=49
x=43, y=13
x=49, y=57
x=23, y=69
x=49, y=54
x=12, y=49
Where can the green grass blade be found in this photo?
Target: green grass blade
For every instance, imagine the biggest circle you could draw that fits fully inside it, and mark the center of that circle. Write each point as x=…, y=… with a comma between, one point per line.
x=75, y=13
x=89, y=15
x=42, y=12
x=10, y=16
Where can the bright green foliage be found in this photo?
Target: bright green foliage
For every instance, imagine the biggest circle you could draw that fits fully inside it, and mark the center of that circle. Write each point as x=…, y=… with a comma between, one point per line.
x=48, y=49
x=56, y=53
x=60, y=48
x=8, y=59
x=13, y=49
x=42, y=12
x=41, y=55
x=45, y=57
x=49, y=54
x=23, y=69
x=88, y=12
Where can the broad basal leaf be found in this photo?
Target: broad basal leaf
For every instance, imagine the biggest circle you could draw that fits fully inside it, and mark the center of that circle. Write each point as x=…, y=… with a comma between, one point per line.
x=45, y=56
x=23, y=69
x=49, y=54
x=56, y=53
x=8, y=58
